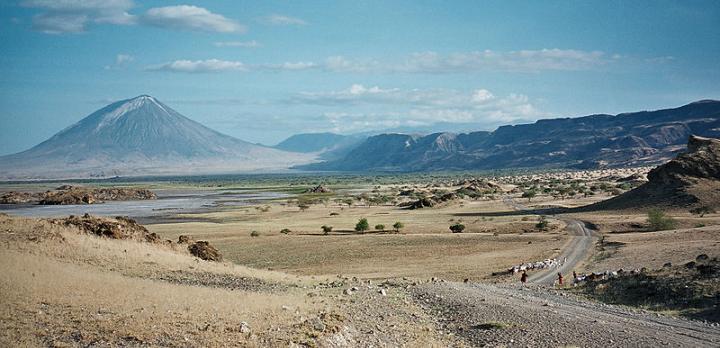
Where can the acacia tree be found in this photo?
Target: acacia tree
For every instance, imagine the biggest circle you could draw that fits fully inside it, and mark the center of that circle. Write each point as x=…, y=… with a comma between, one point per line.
x=529, y=194
x=362, y=225
x=398, y=226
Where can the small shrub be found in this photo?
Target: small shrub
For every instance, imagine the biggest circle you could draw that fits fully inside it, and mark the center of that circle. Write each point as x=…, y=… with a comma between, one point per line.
x=380, y=227
x=658, y=221
x=398, y=226
x=457, y=228
x=303, y=206
x=285, y=231
x=254, y=234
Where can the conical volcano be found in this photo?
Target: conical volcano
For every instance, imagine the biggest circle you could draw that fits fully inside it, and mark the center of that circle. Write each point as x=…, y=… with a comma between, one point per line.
x=141, y=136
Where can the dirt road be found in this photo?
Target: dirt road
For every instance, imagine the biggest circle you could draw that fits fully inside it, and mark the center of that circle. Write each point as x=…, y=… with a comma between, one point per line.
x=535, y=316
x=574, y=252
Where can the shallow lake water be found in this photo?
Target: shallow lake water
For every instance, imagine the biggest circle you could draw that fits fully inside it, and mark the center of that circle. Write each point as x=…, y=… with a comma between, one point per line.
x=168, y=204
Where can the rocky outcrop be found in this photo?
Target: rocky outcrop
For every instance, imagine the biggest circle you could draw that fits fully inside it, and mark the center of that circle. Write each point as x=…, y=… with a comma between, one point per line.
x=67, y=194
x=318, y=189
x=115, y=228
x=701, y=161
x=13, y=197
x=429, y=202
x=79, y=195
x=690, y=180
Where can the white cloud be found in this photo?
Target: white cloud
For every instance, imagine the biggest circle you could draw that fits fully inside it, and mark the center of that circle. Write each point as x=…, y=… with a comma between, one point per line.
x=72, y=16
x=200, y=66
x=278, y=19
x=291, y=66
x=244, y=44
x=482, y=96
x=525, y=61
x=120, y=61
x=518, y=61
x=59, y=23
x=418, y=106
x=342, y=64
x=187, y=17
x=476, y=61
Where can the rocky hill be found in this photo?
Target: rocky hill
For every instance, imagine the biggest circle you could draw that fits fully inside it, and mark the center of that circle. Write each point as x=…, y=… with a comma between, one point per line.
x=140, y=136
x=691, y=180
x=595, y=141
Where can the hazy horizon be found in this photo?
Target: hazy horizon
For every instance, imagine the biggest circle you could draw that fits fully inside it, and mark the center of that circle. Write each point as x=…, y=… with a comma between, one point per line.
x=264, y=71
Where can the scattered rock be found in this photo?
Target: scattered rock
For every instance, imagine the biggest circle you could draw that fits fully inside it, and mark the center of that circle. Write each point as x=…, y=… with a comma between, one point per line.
x=244, y=327
x=183, y=239
x=317, y=324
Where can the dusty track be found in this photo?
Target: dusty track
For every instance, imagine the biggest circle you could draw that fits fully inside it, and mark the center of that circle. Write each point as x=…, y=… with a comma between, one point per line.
x=574, y=252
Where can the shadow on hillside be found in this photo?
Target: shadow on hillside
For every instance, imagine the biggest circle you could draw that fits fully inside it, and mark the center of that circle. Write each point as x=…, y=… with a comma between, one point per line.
x=347, y=233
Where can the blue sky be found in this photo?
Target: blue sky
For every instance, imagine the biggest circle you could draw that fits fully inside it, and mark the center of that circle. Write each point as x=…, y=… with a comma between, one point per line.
x=263, y=70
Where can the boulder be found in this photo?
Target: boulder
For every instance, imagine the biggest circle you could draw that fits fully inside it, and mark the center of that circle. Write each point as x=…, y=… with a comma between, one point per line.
x=205, y=251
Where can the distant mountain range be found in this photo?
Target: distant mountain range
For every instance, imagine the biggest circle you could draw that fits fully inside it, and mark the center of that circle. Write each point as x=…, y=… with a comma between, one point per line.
x=595, y=141
x=141, y=136
x=327, y=145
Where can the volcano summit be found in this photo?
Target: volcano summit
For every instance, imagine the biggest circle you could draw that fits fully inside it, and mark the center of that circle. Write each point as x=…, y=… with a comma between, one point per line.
x=141, y=136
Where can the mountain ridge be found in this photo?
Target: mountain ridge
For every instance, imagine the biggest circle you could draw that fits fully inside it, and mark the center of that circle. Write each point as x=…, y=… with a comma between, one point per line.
x=593, y=141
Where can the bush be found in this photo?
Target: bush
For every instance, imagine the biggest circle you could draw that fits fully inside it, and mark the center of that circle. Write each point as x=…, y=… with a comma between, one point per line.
x=702, y=211
x=326, y=229
x=398, y=226
x=380, y=227
x=303, y=206
x=362, y=225
x=457, y=228
x=254, y=234
x=285, y=231
x=542, y=225
x=658, y=221
x=529, y=194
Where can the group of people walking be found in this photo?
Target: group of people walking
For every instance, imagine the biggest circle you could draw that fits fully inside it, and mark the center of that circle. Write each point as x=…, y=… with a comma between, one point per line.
x=524, y=278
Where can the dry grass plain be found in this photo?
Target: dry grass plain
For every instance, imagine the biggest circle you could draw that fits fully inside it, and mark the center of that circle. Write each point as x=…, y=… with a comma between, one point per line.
x=424, y=248
x=64, y=289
